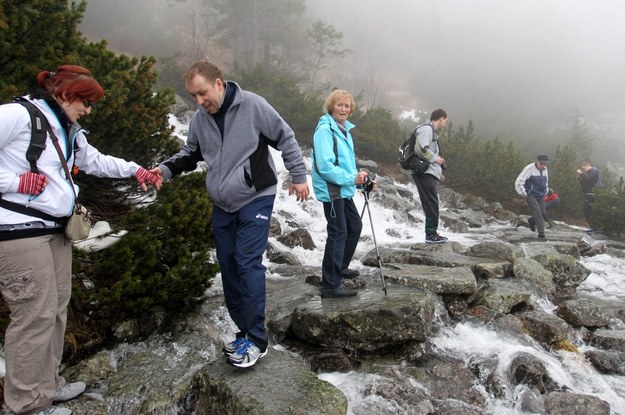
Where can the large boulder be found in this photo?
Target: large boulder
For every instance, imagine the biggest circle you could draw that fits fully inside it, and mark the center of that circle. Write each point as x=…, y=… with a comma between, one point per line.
x=376, y=322
x=458, y=280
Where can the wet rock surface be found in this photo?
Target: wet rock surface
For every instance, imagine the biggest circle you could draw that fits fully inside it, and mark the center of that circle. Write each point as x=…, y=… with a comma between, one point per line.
x=498, y=284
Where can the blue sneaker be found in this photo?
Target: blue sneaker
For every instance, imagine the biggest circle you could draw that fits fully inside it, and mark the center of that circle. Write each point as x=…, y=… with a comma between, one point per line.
x=246, y=355
x=231, y=348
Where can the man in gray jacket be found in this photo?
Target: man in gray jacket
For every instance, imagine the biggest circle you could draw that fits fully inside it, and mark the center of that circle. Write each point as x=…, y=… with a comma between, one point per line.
x=232, y=131
x=427, y=148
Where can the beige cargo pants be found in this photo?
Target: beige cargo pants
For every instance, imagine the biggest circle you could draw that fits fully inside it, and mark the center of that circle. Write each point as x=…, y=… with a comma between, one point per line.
x=35, y=281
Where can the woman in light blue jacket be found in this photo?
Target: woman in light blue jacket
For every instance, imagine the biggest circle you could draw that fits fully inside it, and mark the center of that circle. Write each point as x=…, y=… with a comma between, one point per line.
x=334, y=180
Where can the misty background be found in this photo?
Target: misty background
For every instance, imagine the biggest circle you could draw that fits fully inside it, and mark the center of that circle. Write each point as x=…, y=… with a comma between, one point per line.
x=526, y=70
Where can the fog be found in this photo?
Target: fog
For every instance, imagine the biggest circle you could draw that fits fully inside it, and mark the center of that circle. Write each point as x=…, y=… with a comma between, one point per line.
x=516, y=68
x=490, y=60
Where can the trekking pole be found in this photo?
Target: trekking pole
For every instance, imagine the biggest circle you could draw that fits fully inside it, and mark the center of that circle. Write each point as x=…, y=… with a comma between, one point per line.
x=368, y=187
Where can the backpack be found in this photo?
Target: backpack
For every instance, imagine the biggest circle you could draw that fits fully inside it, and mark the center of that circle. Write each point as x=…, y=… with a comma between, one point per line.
x=35, y=148
x=39, y=133
x=408, y=159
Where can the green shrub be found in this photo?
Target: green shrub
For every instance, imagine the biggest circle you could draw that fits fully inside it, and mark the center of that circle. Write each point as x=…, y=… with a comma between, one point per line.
x=608, y=211
x=162, y=263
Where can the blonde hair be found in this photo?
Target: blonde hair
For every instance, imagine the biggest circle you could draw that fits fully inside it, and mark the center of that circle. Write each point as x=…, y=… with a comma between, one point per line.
x=334, y=96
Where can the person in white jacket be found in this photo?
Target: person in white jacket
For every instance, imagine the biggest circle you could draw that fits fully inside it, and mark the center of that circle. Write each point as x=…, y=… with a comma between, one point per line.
x=532, y=184
x=35, y=254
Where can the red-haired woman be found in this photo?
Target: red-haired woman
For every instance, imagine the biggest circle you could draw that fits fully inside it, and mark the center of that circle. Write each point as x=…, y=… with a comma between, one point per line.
x=35, y=254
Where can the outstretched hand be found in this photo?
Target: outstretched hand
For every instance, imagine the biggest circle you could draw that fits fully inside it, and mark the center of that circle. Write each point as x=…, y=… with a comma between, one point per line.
x=301, y=191
x=143, y=175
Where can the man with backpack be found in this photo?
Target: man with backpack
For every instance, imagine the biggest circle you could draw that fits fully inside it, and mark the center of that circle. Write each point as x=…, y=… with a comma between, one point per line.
x=589, y=178
x=427, y=148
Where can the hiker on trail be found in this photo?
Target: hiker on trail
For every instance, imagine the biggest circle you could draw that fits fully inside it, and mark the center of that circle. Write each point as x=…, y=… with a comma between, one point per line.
x=532, y=184
x=588, y=178
x=428, y=148
x=232, y=131
x=35, y=254
x=335, y=177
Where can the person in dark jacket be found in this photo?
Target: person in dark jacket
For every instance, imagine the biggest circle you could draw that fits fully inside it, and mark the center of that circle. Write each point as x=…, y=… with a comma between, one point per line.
x=232, y=131
x=532, y=184
x=588, y=177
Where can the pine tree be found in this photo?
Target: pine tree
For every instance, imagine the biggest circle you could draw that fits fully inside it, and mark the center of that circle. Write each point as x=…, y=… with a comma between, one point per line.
x=579, y=139
x=608, y=210
x=162, y=263
x=35, y=35
x=129, y=122
x=563, y=180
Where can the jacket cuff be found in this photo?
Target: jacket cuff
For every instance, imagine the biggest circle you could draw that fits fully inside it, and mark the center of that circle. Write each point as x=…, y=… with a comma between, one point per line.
x=166, y=172
x=298, y=179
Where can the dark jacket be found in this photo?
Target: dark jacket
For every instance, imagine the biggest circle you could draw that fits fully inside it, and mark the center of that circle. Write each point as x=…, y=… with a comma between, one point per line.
x=589, y=179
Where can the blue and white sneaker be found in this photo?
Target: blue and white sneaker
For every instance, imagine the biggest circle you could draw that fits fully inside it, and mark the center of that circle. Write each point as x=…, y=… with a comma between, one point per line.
x=231, y=348
x=246, y=355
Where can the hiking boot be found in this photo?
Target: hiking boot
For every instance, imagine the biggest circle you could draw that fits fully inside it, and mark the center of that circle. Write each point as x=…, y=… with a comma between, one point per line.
x=69, y=391
x=541, y=236
x=350, y=274
x=230, y=348
x=532, y=223
x=435, y=239
x=340, y=292
x=246, y=355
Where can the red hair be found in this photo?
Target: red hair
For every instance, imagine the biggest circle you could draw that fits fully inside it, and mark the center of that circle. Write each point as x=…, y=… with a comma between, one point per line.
x=72, y=82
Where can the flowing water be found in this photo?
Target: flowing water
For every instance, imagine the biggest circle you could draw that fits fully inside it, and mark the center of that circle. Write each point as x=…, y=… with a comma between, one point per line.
x=467, y=342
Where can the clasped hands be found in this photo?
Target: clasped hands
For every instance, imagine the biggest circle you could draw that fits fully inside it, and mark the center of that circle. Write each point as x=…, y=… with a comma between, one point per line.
x=151, y=176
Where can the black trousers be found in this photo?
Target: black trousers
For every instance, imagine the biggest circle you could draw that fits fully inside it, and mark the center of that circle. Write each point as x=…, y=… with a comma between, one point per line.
x=589, y=198
x=427, y=185
x=344, y=228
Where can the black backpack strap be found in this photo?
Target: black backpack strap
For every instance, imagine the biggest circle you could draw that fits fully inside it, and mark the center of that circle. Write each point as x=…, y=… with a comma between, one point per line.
x=434, y=137
x=37, y=145
x=25, y=210
x=39, y=133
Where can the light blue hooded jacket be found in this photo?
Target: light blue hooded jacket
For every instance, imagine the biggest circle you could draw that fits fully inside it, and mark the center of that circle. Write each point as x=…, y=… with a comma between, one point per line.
x=334, y=162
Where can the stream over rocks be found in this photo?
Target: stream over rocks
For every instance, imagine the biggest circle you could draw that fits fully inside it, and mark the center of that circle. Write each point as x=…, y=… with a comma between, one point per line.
x=493, y=322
